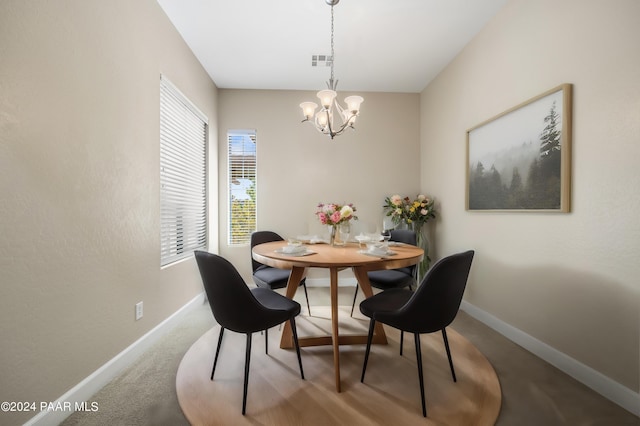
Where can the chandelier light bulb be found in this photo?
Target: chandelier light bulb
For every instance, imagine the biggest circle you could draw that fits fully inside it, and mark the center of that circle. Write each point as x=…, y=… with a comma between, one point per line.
x=326, y=98
x=308, y=109
x=353, y=104
x=322, y=119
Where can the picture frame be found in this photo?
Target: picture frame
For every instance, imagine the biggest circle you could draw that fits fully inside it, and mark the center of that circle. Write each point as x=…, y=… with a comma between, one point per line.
x=520, y=160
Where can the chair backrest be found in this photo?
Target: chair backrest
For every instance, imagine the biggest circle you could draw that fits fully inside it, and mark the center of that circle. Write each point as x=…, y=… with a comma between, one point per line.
x=231, y=301
x=436, y=302
x=259, y=237
x=406, y=236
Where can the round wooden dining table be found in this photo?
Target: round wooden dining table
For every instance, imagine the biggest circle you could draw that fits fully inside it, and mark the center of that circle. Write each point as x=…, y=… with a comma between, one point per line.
x=335, y=259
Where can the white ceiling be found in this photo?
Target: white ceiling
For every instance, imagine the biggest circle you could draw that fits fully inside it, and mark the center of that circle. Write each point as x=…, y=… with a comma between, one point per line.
x=380, y=46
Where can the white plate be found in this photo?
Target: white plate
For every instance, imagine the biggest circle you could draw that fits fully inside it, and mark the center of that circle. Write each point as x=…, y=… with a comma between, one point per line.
x=377, y=254
x=293, y=248
x=310, y=239
x=295, y=254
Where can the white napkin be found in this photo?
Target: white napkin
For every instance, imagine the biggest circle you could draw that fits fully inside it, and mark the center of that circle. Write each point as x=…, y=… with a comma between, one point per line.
x=293, y=249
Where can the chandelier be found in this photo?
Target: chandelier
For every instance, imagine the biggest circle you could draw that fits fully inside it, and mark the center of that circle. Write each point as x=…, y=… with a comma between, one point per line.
x=324, y=118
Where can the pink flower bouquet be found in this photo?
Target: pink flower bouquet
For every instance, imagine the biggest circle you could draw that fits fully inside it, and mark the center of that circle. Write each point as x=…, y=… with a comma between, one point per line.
x=334, y=214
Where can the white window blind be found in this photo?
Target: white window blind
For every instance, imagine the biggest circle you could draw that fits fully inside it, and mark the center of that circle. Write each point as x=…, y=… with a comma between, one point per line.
x=183, y=212
x=242, y=185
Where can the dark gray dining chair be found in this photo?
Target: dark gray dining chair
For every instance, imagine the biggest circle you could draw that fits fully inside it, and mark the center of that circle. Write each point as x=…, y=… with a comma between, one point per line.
x=266, y=276
x=393, y=278
x=432, y=307
x=243, y=310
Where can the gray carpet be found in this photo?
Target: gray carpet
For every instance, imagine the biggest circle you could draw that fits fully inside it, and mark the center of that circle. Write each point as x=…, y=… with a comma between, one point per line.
x=534, y=392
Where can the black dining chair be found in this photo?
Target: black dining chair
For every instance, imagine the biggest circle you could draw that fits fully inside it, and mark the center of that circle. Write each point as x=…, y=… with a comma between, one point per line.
x=432, y=307
x=243, y=310
x=393, y=278
x=266, y=276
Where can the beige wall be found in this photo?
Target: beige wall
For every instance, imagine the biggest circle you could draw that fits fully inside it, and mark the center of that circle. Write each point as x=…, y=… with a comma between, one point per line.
x=299, y=167
x=79, y=186
x=569, y=280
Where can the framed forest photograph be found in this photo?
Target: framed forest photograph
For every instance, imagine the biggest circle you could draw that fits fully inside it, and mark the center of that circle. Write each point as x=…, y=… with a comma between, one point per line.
x=520, y=160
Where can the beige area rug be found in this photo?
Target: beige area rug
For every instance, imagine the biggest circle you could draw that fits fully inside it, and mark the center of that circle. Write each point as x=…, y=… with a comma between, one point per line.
x=390, y=393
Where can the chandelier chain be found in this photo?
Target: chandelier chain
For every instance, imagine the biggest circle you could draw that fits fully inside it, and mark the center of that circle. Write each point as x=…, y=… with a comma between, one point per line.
x=333, y=56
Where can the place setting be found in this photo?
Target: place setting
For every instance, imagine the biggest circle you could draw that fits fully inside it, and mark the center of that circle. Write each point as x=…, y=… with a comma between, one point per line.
x=376, y=245
x=294, y=248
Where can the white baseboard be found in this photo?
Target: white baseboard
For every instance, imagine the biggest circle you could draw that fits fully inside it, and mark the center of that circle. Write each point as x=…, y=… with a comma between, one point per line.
x=83, y=391
x=610, y=389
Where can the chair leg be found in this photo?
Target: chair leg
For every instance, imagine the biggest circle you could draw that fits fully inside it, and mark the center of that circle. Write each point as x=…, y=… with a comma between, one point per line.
x=297, y=345
x=354, y=299
x=446, y=345
x=402, y=331
x=246, y=373
x=306, y=295
x=215, y=360
x=372, y=324
x=420, y=375
x=266, y=341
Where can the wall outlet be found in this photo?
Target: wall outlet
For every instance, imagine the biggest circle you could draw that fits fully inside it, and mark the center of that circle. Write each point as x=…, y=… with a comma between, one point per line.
x=138, y=310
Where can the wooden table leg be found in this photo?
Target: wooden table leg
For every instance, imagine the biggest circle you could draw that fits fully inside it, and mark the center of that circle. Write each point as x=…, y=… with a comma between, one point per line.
x=334, y=325
x=286, y=342
x=297, y=273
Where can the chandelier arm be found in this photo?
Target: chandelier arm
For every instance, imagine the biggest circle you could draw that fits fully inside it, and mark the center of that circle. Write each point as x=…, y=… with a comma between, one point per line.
x=329, y=130
x=329, y=121
x=341, y=110
x=344, y=127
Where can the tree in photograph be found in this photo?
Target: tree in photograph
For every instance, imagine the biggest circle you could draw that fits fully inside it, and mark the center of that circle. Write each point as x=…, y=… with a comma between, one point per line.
x=477, y=188
x=543, y=186
x=516, y=195
x=486, y=190
x=497, y=191
x=550, y=136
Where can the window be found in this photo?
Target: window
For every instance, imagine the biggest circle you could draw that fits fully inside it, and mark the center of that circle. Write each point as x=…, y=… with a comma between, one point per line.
x=242, y=185
x=183, y=212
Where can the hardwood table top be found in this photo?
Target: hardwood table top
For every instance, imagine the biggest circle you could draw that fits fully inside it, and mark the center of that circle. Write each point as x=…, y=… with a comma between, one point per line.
x=327, y=256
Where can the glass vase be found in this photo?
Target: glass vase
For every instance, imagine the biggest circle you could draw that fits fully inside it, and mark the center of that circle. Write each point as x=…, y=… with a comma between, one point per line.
x=332, y=235
x=340, y=233
x=423, y=243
